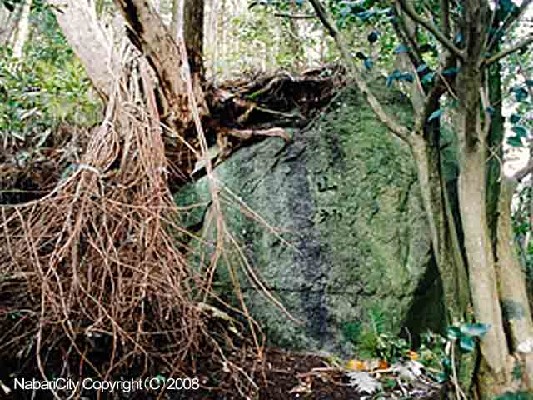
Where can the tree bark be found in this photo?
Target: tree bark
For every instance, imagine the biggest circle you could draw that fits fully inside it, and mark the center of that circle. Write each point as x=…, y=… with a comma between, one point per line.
x=148, y=33
x=444, y=239
x=193, y=33
x=511, y=277
x=79, y=22
x=23, y=29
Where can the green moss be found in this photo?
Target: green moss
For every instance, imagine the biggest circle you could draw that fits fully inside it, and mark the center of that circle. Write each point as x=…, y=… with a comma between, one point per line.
x=345, y=196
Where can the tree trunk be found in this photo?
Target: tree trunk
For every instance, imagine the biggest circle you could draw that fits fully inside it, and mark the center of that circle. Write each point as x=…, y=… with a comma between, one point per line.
x=442, y=226
x=176, y=25
x=79, y=22
x=193, y=33
x=23, y=29
x=148, y=33
x=512, y=279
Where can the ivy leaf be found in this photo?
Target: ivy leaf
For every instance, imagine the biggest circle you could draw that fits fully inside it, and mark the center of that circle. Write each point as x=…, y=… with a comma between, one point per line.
x=402, y=48
x=428, y=77
x=514, y=141
x=520, y=131
x=365, y=15
x=406, y=76
x=453, y=332
x=422, y=68
x=373, y=36
x=467, y=344
x=435, y=115
x=515, y=118
x=520, y=93
x=476, y=329
x=392, y=77
x=450, y=71
x=442, y=377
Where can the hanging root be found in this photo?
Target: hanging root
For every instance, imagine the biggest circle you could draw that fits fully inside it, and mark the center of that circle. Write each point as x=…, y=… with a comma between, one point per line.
x=96, y=277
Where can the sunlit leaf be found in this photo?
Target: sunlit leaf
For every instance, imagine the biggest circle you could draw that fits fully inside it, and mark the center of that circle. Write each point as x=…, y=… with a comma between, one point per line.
x=475, y=329
x=435, y=115
x=453, y=332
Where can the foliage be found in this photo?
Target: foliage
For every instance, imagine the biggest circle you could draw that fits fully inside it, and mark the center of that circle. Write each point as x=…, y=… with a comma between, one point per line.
x=375, y=339
x=44, y=88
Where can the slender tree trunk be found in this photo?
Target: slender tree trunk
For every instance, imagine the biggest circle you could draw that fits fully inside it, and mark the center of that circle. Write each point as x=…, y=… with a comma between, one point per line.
x=80, y=25
x=193, y=33
x=23, y=29
x=512, y=279
x=442, y=227
x=176, y=26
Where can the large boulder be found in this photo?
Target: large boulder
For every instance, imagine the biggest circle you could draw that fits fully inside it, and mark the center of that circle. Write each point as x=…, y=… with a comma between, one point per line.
x=354, y=240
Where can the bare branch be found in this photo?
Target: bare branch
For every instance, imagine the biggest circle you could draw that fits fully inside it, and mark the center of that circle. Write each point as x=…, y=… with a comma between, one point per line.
x=445, y=41
x=445, y=15
x=294, y=16
x=504, y=53
x=528, y=169
x=394, y=126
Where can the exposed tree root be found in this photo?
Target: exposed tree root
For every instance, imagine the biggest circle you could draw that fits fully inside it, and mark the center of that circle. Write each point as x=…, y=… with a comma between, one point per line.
x=97, y=278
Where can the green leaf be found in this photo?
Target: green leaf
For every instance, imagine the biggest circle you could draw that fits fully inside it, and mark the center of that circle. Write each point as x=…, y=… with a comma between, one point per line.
x=368, y=63
x=453, y=332
x=428, y=77
x=476, y=329
x=402, y=48
x=450, y=71
x=442, y=377
x=520, y=93
x=514, y=141
x=373, y=36
x=435, y=115
x=520, y=131
x=467, y=344
x=515, y=118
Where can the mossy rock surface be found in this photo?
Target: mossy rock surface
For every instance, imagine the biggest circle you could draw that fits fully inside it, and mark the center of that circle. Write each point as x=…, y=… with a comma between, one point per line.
x=353, y=235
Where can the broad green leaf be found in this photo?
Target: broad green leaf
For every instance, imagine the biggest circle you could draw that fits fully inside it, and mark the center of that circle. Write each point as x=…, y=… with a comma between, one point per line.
x=435, y=115
x=475, y=329
x=520, y=131
x=467, y=344
x=515, y=118
x=453, y=332
x=514, y=141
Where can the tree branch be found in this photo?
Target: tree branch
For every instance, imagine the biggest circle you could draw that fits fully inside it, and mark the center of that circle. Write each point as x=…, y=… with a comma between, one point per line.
x=528, y=169
x=394, y=126
x=509, y=21
x=445, y=41
x=294, y=16
x=148, y=33
x=504, y=53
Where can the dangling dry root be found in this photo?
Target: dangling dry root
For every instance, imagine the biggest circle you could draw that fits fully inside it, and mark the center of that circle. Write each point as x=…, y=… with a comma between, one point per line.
x=98, y=272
